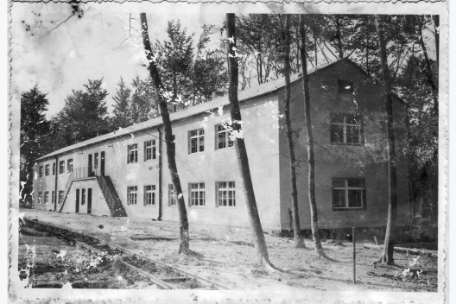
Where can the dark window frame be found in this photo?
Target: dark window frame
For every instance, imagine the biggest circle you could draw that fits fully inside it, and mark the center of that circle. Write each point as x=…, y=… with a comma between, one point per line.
x=61, y=196
x=150, y=150
x=346, y=188
x=149, y=195
x=61, y=167
x=46, y=170
x=224, y=192
x=197, y=194
x=132, y=195
x=224, y=143
x=196, y=141
x=132, y=153
x=40, y=171
x=69, y=165
x=344, y=126
x=54, y=168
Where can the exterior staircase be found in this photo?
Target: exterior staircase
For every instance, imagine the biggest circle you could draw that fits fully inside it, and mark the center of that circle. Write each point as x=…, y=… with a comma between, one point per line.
x=111, y=196
x=68, y=184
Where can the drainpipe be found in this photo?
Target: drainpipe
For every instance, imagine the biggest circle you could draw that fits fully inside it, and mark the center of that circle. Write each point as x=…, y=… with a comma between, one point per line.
x=56, y=180
x=160, y=180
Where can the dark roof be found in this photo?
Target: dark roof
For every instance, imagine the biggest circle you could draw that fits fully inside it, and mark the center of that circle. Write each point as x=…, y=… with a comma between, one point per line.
x=245, y=95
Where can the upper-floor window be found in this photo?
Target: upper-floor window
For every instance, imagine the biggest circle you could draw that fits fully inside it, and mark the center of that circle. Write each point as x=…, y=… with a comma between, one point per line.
x=222, y=137
x=132, y=153
x=53, y=168
x=150, y=150
x=172, y=195
x=197, y=194
x=61, y=167
x=345, y=86
x=196, y=141
x=46, y=170
x=41, y=171
x=132, y=195
x=70, y=165
x=226, y=194
x=346, y=129
x=348, y=193
x=149, y=195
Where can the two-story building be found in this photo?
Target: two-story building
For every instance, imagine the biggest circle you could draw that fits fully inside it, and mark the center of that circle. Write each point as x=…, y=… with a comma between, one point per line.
x=125, y=173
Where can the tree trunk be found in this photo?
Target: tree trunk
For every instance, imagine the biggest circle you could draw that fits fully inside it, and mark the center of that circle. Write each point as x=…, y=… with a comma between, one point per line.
x=428, y=73
x=241, y=152
x=299, y=241
x=388, y=248
x=310, y=145
x=170, y=147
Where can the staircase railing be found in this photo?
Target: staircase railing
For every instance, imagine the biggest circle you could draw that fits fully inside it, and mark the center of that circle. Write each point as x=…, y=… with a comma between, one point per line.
x=107, y=192
x=68, y=183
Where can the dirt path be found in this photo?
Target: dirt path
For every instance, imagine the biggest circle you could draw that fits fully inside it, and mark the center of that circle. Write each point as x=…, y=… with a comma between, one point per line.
x=226, y=255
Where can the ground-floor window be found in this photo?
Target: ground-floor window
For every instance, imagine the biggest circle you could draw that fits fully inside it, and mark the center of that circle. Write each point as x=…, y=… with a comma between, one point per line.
x=46, y=197
x=348, y=193
x=226, y=194
x=149, y=195
x=172, y=195
x=53, y=197
x=132, y=195
x=61, y=194
x=197, y=194
x=40, y=197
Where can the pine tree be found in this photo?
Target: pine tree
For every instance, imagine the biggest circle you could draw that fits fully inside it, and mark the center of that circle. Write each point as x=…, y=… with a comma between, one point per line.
x=122, y=102
x=34, y=129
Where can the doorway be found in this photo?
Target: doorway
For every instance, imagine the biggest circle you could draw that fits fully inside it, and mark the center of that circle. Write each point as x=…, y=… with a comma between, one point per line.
x=77, y=200
x=89, y=201
x=102, y=163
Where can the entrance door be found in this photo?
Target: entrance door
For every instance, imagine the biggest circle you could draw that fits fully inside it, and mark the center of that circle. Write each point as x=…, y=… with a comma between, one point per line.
x=102, y=163
x=89, y=200
x=77, y=200
x=89, y=168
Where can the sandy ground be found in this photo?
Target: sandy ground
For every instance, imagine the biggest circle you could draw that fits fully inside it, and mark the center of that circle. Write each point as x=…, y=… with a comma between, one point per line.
x=226, y=256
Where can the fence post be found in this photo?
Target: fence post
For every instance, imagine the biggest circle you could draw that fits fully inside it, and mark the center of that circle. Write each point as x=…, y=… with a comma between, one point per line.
x=354, y=254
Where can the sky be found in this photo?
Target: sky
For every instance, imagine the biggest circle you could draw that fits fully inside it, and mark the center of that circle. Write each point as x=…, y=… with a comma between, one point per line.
x=60, y=56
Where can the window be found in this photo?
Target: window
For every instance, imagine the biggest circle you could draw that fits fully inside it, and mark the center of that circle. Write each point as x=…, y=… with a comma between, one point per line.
x=61, y=167
x=149, y=150
x=41, y=171
x=132, y=153
x=226, y=194
x=197, y=194
x=346, y=129
x=46, y=197
x=149, y=195
x=53, y=197
x=40, y=197
x=345, y=87
x=196, y=141
x=172, y=196
x=61, y=193
x=348, y=193
x=70, y=165
x=53, y=168
x=132, y=195
x=46, y=170
x=222, y=137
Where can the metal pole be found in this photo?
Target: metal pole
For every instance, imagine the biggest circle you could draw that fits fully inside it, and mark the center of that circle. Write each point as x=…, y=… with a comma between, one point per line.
x=354, y=255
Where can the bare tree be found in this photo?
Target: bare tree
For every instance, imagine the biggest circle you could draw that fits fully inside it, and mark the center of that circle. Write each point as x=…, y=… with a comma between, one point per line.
x=286, y=41
x=170, y=147
x=388, y=248
x=241, y=151
x=310, y=144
